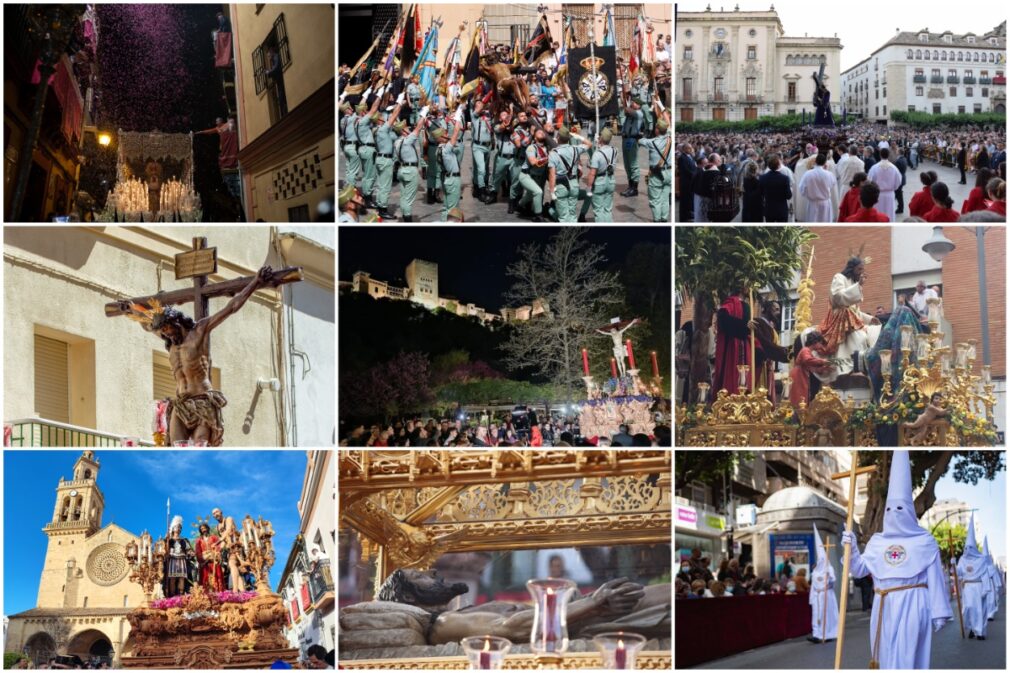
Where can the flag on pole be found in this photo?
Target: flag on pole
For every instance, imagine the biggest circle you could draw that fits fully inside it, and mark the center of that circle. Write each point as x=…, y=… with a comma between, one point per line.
x=408, y=52
x=389, y=62
x=425, y=65
x=566, y=30
x=471, y=69
x=539, y=45
x=636, y=50
x=648, y=47
x=608, y=30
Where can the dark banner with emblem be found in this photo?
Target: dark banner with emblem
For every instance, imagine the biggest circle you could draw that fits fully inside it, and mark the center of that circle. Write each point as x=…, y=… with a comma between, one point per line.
x=588, y=89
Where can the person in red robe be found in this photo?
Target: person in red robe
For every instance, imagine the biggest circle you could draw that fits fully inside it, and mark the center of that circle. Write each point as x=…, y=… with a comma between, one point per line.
x=850, y=204
x=731, y=347
x=997, y=193
x=943, y=205
x=976, y=198
x=868, y=195
x=807, y=361
x=208, y=554
x=922, y=202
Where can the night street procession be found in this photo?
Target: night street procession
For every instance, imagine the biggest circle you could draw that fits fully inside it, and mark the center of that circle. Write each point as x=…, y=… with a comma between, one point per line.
x=504, y=112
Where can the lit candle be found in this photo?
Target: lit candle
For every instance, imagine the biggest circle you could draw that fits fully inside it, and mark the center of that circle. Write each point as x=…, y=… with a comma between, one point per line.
x=551, y=608
x=655, y=365
x=613, y=367
x=620, y=656
x=585, y=361
x=256, y=535
x=631, y=354
x=485, y=656
x=149, y=561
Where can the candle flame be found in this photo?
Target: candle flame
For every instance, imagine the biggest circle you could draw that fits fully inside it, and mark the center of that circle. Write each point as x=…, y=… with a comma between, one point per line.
x=620, y=644
x=550, y=590
x=487, y=645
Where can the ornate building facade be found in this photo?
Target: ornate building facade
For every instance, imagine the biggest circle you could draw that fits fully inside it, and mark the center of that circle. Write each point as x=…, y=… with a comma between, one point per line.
x=741, y=65
x=939, y=73
x=84, y=591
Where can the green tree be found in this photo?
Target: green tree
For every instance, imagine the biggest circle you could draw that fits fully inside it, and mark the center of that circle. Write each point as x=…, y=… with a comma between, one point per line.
x=969, y=467
x=705, y=466
x=713, y=261
x=944, y=532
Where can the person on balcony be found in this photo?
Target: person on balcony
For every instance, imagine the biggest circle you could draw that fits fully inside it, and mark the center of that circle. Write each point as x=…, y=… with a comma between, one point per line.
x=274, y=71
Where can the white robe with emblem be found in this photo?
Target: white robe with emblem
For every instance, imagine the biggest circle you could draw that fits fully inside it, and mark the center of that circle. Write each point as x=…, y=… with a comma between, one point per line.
x=823, y=604
x=886, y=176
x=817, y=186
x=973, y=576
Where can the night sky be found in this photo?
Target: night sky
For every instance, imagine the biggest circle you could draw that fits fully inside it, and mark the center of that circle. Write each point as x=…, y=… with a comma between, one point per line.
x=471, y=260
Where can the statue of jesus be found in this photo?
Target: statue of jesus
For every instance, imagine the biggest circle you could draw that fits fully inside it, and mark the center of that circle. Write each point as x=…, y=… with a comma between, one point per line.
x=615, y=332
x=195, y=413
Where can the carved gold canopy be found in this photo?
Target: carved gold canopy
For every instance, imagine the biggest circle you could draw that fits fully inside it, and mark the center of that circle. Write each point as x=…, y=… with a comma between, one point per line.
x=410, y=507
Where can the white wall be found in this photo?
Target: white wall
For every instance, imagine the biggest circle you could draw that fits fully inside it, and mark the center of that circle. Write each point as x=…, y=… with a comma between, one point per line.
x=906, y=245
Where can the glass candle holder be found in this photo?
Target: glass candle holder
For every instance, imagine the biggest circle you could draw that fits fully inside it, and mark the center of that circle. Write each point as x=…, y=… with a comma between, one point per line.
x=619, y=649
x=743, y=369
x=885, y=362
x=945, y=362
x=787, y=384
x=971, y=348
x=987, y=374
x=486, y=653
x=922, y=346
x=906, y=337
x=933, y=309
x=702, y=392
x=549, y=634
x=961, y=357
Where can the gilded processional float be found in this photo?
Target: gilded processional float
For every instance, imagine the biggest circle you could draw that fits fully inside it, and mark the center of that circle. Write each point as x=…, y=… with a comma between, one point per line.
x=411, y=510
x=216, y=608
x=929, y=397
x=154, y=179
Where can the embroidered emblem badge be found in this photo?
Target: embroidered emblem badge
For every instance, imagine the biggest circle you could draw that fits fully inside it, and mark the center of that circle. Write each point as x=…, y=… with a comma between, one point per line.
x=970, y=569
x=895, y=555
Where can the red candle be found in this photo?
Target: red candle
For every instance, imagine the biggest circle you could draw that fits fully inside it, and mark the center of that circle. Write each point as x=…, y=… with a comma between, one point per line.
x=655, y=365
x=620, y=656
x=550, y=637
x=585, y=361
x=631, y=354
x=613, y=367
x=485, y=656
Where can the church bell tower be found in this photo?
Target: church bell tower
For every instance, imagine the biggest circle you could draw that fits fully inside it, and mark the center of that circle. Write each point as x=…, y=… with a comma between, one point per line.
x=77, y=515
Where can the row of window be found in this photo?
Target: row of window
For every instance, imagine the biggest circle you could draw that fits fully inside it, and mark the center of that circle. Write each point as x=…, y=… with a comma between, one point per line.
x=919, y=72
x=937, y=109
x=949, y=38
x=969, y=92
x=938, y=55
x=805, y=59
x=719, y=87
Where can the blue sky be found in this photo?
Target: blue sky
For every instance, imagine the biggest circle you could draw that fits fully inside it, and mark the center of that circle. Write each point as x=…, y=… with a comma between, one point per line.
x=136, y=485
x=990, y=499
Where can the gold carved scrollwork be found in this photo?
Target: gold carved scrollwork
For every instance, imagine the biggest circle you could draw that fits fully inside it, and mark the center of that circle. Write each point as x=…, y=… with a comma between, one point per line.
x=826, y=404
x=476, y=503
x=629, y=494
x=554, y=498
x=742, y=408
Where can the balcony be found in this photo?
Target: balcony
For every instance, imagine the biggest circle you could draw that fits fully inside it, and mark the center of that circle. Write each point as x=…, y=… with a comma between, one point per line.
x=999, y=80
x=919, y=79
x=688, y=97
x=42, y=432
x=953, y=79
x=969, y=80
x=752, y=98
x=936, y=79
x=791, y=99
x=717, y=98
x=985, y=80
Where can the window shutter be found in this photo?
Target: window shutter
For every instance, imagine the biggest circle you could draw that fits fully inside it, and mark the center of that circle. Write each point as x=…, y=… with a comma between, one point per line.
x=52, y=379
x=281, y=33
x=164, y=382
x=260, y=72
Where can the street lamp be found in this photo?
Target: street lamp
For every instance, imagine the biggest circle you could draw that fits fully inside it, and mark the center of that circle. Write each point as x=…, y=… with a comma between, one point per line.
x=938, y=247
x=104, y=139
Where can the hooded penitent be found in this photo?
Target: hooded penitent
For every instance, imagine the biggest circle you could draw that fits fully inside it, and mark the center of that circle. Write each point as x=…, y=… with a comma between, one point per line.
x=823, y=604
x=973, y=576
x=973, y=564
x=903, y=549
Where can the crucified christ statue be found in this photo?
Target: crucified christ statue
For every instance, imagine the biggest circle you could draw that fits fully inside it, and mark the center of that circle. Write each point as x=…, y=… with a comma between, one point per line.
x=615, y=330
x=195, y=412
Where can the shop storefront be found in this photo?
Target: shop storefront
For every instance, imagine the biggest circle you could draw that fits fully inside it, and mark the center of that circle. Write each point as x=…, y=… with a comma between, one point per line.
x=697, y=528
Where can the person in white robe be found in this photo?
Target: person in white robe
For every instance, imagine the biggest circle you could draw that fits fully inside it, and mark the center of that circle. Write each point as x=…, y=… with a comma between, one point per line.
x=993, y=582
x=823, y=604
x=888, y=178
x=911, y=598
x=846, y=328
x=802, y=166
x=816, y=186
x=972, y=576
x=847, y=167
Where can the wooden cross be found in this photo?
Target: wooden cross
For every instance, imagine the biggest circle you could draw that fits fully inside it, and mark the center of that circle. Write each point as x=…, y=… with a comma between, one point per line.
x=827, y=548
x=197, y=264
x=853, y=472
x=957, y=586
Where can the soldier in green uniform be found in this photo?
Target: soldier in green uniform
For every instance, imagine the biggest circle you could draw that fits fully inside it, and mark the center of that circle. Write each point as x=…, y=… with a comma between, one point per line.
x=502, y=158
x=563, y=174
x=434, y=170
x=521, y=139
x=449, y=162
x=601, y=178
x=414, y=96
x=534, y=174
x=659, y=147
x=408, y=156
x=350, y=203
x=451, y=122
x=366, y=148
x=349, y=143
x=482, y=141
x=631, y=131
x=641, y=93
x=385, y=136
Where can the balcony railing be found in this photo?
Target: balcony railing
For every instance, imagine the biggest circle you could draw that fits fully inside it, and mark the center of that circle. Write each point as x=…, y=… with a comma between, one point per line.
x=999, y=80
x=953, y=79
x=42, y=432
x=985, y=80
x=753, y=98
x=936, y=79
x=919, y=79
x=717, y=98
x=969, y=80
